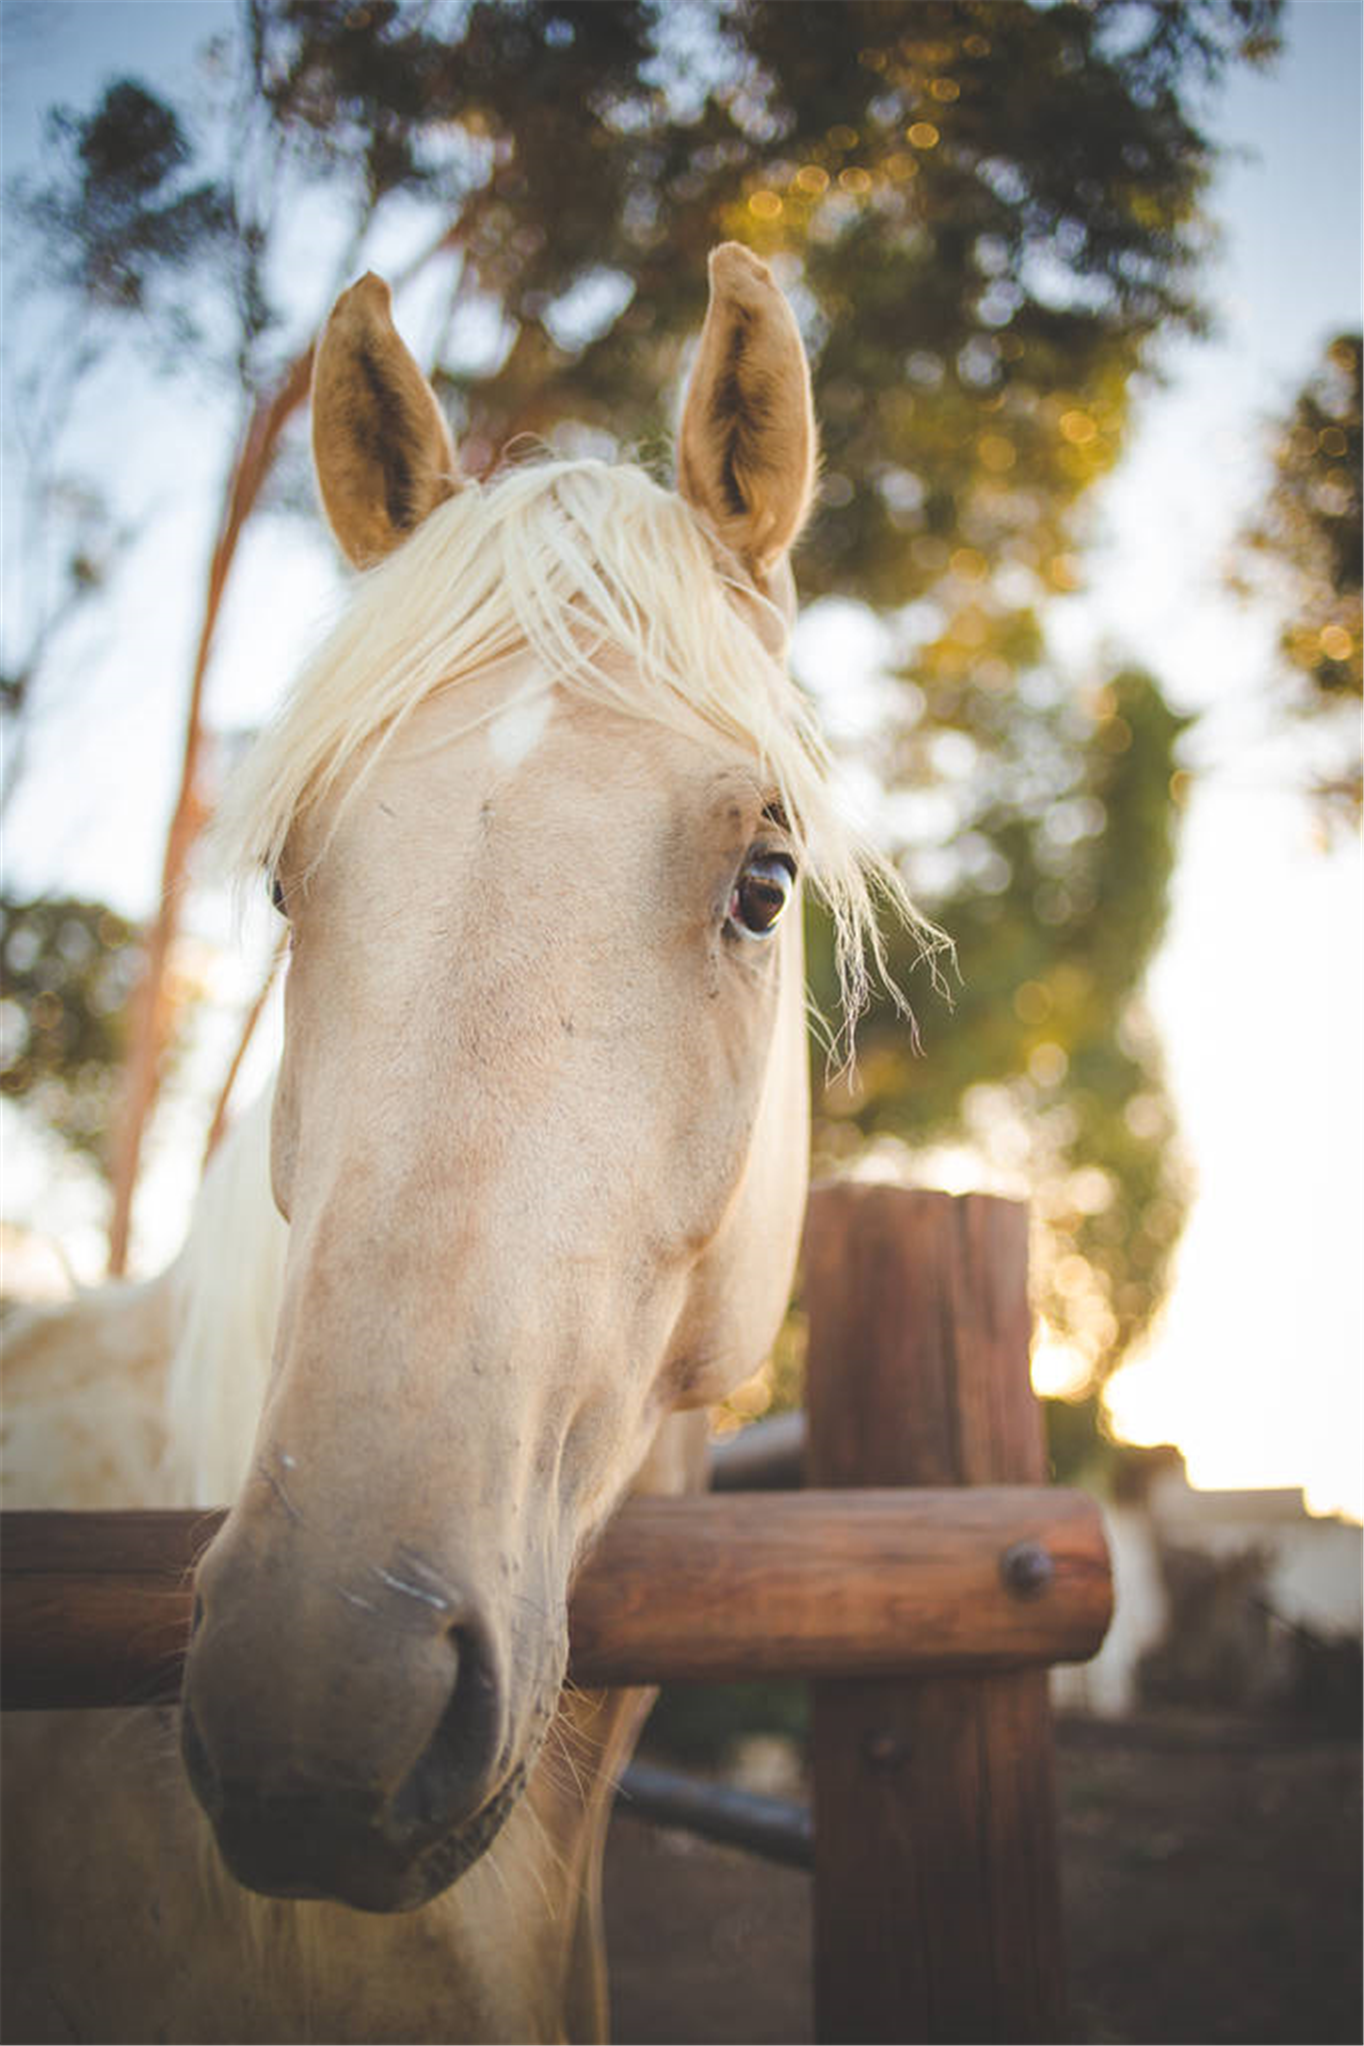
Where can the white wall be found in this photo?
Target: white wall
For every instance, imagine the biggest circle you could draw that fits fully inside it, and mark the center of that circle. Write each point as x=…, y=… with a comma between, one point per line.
x=1315, y=1577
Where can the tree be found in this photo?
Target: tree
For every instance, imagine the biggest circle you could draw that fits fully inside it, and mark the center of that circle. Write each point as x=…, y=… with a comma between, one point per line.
x=1304, y=551
x=986, y=213
x=1047, y=1061
x=69, y=966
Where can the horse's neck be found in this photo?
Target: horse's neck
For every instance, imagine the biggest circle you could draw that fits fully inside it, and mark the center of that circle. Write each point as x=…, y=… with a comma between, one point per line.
x=84, y=1407
x=149, y=1394
x=227, y=1280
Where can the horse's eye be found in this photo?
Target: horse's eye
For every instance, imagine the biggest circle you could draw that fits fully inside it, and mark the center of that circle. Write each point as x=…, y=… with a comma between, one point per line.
x=761, y=893
x=277, y=895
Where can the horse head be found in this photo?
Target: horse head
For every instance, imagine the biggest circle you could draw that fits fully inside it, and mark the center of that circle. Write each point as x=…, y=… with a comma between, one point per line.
x=538, y=819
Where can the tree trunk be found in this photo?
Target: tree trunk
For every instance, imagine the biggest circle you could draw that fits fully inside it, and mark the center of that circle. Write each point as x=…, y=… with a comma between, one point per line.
x=151, y=1016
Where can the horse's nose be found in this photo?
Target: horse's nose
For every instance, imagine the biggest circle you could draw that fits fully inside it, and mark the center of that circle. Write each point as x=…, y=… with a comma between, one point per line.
x=447, y=1781
x=334, y=1743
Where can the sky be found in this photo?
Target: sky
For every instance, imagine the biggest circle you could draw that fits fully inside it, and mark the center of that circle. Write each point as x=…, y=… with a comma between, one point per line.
x=1255, y=1367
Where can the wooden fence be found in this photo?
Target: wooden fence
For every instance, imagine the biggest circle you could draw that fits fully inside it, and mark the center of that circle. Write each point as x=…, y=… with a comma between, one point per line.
x=923, y=1585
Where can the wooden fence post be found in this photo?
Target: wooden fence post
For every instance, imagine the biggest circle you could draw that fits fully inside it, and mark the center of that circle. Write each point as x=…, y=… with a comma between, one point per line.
x=937, y=1904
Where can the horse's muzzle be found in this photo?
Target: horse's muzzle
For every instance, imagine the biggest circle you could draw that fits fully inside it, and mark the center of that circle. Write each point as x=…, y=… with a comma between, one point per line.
x=360, y=1755
x=337, y=1845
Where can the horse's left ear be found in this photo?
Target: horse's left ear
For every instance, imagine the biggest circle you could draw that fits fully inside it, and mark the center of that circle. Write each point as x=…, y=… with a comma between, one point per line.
x=381, y=448
x=746, y=453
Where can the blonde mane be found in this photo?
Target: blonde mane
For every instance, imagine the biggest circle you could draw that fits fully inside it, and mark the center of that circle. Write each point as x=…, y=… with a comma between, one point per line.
x=621, y=594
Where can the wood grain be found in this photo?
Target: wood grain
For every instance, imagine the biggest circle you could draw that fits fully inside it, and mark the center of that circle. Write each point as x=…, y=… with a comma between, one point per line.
x=96, y=1606
x=937, y=1912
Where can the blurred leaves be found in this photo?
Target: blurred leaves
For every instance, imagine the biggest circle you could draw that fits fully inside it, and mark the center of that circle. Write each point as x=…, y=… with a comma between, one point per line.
x=1065, y=838
x=1304, y=551
x=68, y=968
x=127, y=212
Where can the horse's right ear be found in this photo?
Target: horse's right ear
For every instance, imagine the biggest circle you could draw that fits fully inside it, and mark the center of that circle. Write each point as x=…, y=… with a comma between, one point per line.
x=747, y=448
x=381, y=448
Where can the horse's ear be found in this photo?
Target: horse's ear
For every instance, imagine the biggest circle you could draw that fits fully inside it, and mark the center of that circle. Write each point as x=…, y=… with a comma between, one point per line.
x=381, y=447
x=746, y=453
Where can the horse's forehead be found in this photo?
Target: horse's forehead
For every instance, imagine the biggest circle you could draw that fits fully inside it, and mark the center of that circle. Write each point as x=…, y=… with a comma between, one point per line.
x=515, y=824
x=525, y=760
x=636, y=770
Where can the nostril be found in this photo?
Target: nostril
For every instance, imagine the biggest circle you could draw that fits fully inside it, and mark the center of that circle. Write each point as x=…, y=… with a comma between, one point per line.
x=197, y=1615
x=449, y=1780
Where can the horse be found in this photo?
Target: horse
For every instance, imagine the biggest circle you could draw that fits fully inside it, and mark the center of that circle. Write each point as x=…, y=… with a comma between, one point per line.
x=540, y=815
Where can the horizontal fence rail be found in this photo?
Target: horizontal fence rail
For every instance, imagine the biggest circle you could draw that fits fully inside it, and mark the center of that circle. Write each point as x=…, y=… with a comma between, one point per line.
x=96, y=1606
x=777, y=1828
x=766, y=1456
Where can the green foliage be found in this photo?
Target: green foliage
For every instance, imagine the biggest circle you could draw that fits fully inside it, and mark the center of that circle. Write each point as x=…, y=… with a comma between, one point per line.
x=68, y=969
x=1065, y=841
x=1005, y=195
x=1305, y=548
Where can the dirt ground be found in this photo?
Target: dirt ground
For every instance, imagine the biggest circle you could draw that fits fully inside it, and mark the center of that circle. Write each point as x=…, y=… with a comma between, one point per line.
x=1211, y=1875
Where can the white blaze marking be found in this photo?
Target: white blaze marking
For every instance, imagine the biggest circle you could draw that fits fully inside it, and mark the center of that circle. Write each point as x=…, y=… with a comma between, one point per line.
x=516, y=731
